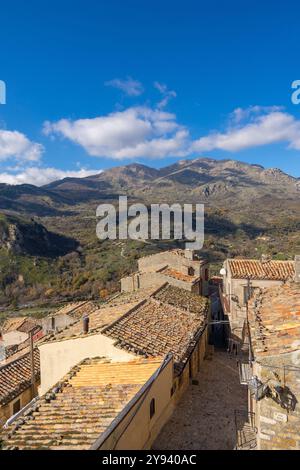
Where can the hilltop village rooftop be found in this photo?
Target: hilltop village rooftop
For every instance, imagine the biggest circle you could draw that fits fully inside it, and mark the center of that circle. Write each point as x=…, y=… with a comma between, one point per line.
x=273, y=270
x=82, y=406
x=274, y=318
x=180, y=268
x=165, y=325
x=114, y=381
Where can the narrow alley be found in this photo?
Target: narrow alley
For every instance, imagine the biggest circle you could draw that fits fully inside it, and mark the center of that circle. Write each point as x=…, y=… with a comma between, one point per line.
x=205, y=417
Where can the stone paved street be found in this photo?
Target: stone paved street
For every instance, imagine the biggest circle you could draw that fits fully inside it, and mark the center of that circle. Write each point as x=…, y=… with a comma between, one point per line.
x=204, y=418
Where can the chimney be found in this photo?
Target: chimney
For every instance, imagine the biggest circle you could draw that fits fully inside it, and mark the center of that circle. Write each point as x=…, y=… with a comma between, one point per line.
x=85, y=324
x=297, y=269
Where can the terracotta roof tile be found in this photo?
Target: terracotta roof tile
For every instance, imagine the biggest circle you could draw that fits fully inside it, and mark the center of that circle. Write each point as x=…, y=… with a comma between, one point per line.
x=262, y=270
x=15, y=377
x=178, y=275
x=158, y=326
x=79, y=409
x=274, y=318
x=77, y=309
x=12, y=324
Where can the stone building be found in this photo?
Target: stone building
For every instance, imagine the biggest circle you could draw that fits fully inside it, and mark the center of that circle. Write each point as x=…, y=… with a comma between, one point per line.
x=274, y=374
x=15, y=333
x=181, y=268
x=16, y=388
x=241, y=278
x=161, y=331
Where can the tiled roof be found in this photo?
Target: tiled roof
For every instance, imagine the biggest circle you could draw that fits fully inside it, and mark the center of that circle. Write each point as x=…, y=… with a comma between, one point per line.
x=15, y=376
x=274, y=318
x=23, y=324
x=131, y=297
x=178, y=275
x=12, y=324
x=77, y=309
x=183, y=299
x=108, y=312
x=98, y=320
x=79, y=409
x=261, y=270
x=156, y=328
x=29, y=325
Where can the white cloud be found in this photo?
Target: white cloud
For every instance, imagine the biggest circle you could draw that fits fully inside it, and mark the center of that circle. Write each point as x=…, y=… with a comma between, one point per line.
x=129, y=86
x=264, y=128
x=243, y=114
x=135, y=132
x=167, y=94
x=14, y=144
x=144, y=132
x=40, y=176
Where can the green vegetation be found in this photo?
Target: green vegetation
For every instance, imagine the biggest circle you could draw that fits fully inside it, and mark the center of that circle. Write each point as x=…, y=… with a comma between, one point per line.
x=56, y=256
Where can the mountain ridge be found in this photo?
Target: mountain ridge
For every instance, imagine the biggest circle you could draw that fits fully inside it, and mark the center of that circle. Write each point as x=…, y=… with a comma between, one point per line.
x=204, y=179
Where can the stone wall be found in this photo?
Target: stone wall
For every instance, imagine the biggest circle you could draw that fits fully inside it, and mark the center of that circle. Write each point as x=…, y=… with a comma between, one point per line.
x=278, y=428
x=154, y=279
x=168, y=258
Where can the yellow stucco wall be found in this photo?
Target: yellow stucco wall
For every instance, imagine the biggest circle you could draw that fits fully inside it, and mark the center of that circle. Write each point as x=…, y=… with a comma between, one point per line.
x=59, y=357
x=137, y=430
x=6, y=411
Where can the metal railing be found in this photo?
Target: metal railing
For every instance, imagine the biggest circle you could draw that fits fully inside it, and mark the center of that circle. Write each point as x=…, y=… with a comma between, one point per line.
x=246, y=430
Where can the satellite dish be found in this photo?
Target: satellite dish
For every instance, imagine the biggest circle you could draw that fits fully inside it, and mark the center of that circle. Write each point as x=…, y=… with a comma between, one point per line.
x=223, y=272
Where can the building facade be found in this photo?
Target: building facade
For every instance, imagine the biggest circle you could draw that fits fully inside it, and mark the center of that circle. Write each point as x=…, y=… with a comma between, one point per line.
x=181, y=268
x=241, y=279
x=274, y=375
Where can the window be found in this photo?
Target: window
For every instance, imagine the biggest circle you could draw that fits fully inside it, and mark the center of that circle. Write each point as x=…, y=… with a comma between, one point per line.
x=52, y=323
x=152, y=408
x=248, y=293
x=191, y=271
x=206, y=274
x=16, y=406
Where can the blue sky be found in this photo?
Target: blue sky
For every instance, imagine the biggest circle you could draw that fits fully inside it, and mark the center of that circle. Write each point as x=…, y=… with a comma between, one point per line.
x=94, y=84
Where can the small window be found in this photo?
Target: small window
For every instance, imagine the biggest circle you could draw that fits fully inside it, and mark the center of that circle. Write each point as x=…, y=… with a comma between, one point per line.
x=248, y=293
x=191, y=271
x=152, y=408
x=16, y=406
x=206, y=274
x=52, y=323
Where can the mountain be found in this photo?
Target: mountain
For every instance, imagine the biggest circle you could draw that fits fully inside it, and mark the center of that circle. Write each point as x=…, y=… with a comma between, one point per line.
x=214, y=182
x=201, y=179
x=249, y=211
x=27, y=198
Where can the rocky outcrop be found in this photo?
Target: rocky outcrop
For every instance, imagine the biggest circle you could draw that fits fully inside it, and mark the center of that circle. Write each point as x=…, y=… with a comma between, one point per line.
x=19, y=235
